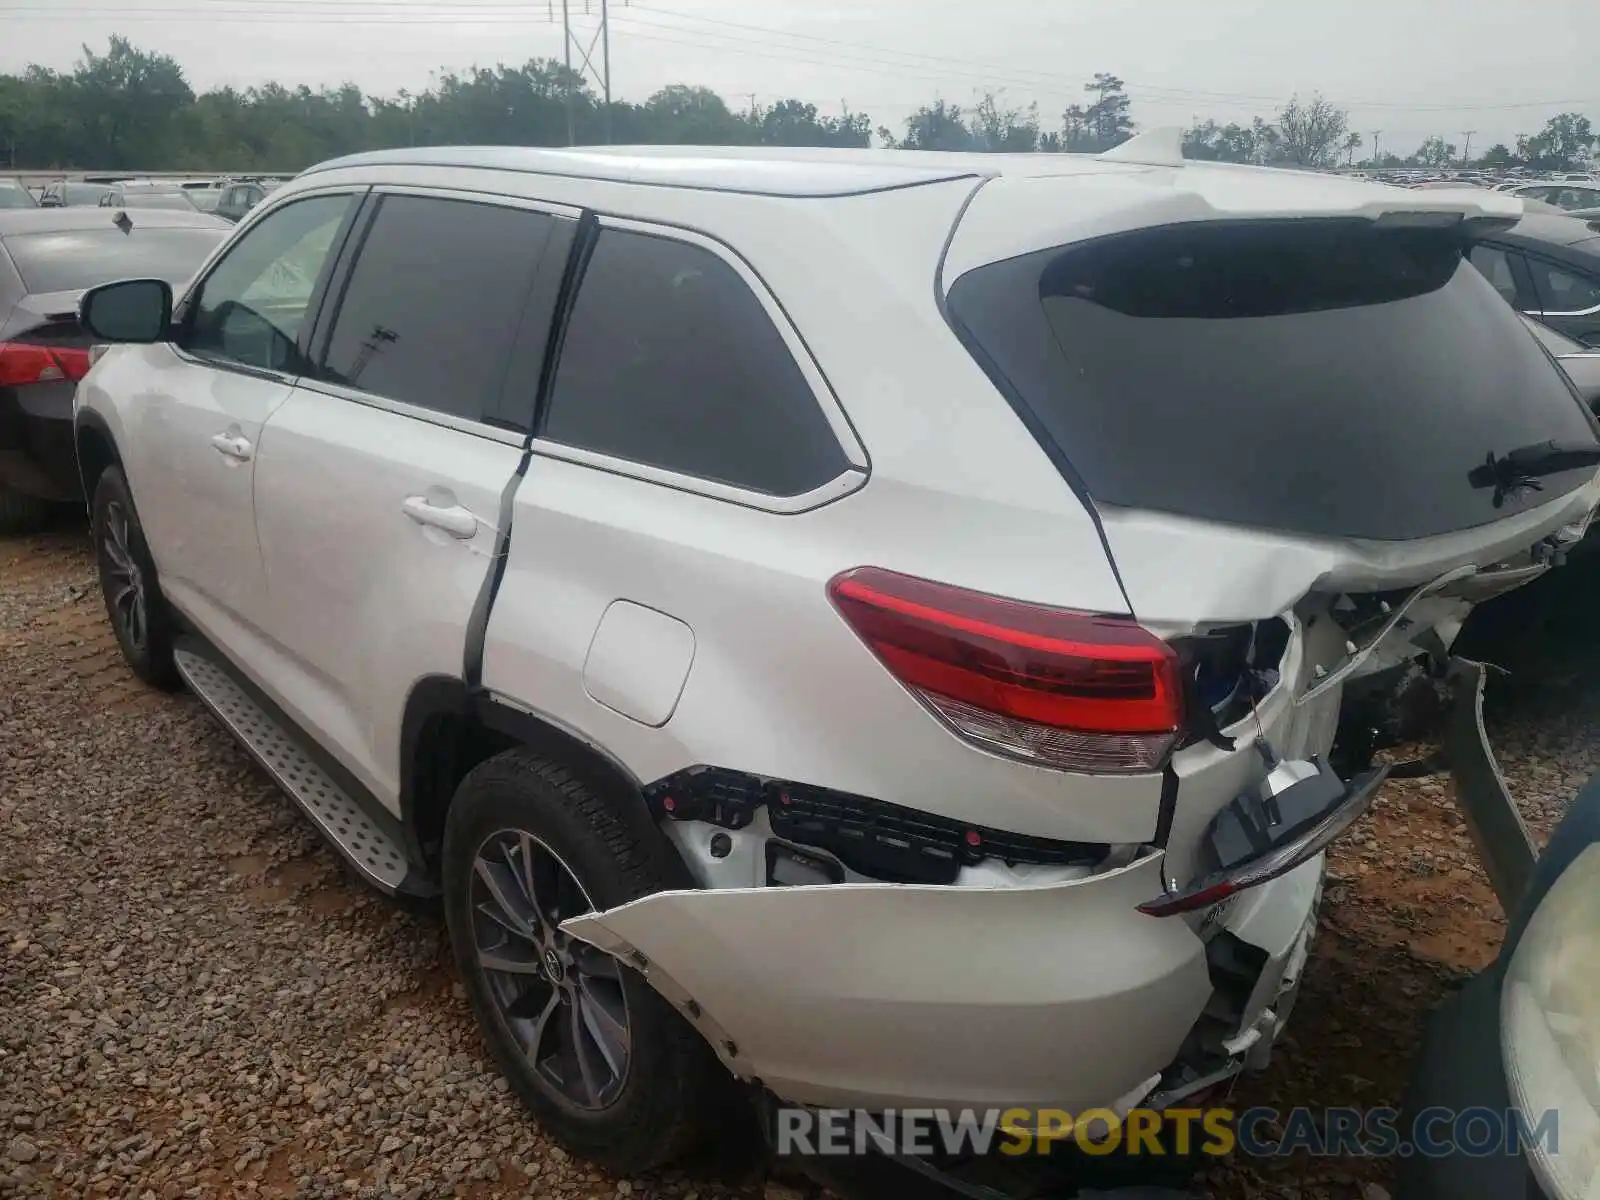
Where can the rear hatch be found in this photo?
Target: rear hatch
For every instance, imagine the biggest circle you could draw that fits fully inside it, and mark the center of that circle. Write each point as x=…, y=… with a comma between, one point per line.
x=1259, y=405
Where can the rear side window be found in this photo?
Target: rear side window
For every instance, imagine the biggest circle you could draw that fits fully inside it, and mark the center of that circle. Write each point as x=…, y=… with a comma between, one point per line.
x=432, y=310
x=74, y=259
x=1495, y=264
x=1319, y=377
x=671, y=361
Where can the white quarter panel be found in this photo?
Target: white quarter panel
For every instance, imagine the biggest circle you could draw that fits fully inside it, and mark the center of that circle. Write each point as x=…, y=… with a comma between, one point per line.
x=365, y=601
x=194, y=502
x=780, y=686
x=638, y=662
x=877, y=996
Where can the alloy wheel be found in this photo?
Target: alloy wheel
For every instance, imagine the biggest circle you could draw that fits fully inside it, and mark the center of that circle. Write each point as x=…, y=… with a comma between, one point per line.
x=124, y=582
x=561, y=999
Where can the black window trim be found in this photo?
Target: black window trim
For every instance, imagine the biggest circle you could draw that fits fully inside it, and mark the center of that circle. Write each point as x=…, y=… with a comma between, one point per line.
x=857, y=465
x=183, y=309
x=329, y=313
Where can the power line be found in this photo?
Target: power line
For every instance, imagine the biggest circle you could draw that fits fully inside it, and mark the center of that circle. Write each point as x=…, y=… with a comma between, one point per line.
x=857, y=56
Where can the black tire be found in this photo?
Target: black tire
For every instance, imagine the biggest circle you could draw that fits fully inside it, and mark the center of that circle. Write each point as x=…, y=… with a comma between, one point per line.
x=673, y=1081
x=114, y=526
x=21, y=514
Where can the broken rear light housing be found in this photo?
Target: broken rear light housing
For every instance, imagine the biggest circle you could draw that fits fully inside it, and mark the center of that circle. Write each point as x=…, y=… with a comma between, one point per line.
x=1072, y=690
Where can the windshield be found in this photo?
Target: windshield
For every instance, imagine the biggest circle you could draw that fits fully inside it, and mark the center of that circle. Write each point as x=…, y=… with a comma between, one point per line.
x=1317, y=377
x=74, y=260
x=14, y=195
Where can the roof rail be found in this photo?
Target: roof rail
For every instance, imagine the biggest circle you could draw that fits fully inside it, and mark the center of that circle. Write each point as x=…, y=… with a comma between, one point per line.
x=1158, y=147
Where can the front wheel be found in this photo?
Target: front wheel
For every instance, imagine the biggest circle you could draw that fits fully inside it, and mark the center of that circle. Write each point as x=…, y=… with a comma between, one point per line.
x=138, y=612
x=607, y=1066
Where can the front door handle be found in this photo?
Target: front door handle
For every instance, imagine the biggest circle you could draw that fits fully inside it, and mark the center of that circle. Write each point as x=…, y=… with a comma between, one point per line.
x=233, y=445
x=454, y=519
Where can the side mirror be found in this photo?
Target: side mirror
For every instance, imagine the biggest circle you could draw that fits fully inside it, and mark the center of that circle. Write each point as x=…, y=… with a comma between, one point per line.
x=130, y=310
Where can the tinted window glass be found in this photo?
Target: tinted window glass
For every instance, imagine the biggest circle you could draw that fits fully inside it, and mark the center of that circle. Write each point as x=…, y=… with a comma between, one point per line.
x=250, y=308
x=76, y=259
x=671, y=361
x=433, y=306
x=84, y=193
x=14, y=195
x=1496, y=267
x=1319, y=377
x=171, y=201
x=1561, y=291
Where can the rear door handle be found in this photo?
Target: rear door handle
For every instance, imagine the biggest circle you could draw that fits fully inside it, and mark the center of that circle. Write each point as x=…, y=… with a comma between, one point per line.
x=234, y=445
x=454, y=519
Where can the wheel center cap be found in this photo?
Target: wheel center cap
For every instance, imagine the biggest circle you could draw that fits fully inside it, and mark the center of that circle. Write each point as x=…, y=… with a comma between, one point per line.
x=552, y=966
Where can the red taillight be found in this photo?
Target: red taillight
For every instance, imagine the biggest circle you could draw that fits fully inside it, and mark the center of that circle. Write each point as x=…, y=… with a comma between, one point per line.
x=22, y=364
x=1070, y=689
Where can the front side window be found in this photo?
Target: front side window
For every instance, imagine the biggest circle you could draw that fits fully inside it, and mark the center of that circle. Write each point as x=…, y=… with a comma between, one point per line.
x=671, y=361
x=435, y=302
x=250, y=309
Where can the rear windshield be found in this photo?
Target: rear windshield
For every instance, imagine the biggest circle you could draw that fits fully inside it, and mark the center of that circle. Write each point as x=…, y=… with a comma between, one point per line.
x=1319, y=377
x=72, y=260
x=169, y=200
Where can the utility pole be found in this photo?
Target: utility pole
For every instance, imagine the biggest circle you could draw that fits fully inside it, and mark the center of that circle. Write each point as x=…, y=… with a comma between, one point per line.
x=1376, y=134
x=1466, y=153
x=566, y=46
x=588, y=69
x=605, y=62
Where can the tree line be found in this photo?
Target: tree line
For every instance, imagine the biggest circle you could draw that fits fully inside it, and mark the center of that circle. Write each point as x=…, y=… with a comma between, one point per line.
x=132, y=108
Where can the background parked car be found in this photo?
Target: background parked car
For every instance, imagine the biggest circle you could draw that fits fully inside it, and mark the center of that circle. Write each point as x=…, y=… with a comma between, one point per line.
x=239, y=198
x=148, y=195
x=1564, y=195
x=1548, y=268
x=69, y=193
x=14, y=195
x=1581, y=363
x=47, y=258
x=1517, y=1038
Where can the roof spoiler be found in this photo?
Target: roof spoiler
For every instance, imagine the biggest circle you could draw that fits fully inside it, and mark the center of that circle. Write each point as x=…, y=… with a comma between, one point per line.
x=1158, y=147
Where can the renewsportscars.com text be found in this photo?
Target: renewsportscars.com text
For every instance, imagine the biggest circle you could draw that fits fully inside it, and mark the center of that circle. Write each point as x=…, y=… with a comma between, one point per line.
x=1255, y=1132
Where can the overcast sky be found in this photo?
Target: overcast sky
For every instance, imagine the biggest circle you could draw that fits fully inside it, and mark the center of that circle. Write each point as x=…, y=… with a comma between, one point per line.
x=1407, y=67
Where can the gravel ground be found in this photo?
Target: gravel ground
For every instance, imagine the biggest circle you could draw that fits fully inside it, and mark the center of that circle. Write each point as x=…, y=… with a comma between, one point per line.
x=196, y=1001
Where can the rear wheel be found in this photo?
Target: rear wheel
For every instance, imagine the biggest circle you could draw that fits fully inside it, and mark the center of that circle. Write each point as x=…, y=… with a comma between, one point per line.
x=21, y=514
x=607, y=1065
x=138, y=612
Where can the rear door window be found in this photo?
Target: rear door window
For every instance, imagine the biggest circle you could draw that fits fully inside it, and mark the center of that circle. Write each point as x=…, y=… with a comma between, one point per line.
x=434, y=305
x=671, y=361
x=1328, y=378
x=1563, y=292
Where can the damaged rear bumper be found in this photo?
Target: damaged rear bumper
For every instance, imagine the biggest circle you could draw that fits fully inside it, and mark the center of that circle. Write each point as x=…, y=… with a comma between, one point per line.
x=878, y=996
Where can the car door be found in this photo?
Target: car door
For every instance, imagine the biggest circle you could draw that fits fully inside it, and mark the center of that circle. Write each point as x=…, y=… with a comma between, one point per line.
x=381, y=481
x=233, y=360
x=1568, y=298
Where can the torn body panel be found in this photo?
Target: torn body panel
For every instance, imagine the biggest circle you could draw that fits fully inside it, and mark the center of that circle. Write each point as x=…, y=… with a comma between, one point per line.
x=1184, y=575
x=880, y=995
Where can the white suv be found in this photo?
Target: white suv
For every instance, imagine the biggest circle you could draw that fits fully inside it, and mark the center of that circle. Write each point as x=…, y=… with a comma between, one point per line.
x=874, y=621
